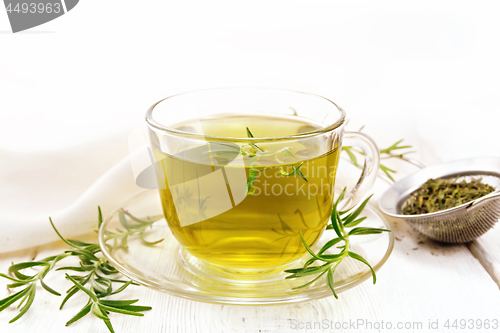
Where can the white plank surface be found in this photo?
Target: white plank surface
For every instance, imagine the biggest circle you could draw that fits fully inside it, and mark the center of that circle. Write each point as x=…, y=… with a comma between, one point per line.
x=422, y=281
x=487, y=250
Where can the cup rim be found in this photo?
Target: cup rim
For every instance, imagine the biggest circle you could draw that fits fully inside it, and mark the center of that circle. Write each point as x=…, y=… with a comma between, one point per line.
x=153, y=123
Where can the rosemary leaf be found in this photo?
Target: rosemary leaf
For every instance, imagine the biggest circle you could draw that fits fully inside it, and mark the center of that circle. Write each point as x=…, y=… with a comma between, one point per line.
x=366, y=231
x=363, y=260
x=351, y=155
x=330, y=282
x=50, y=290
x=349, y=219
x=83, y=312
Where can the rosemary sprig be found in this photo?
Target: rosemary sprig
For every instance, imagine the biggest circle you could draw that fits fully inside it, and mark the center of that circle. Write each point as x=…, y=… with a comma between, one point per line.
x=340, y=220
x=30, y=281
x=135, y=226
x=96, y=272
x=385, y=154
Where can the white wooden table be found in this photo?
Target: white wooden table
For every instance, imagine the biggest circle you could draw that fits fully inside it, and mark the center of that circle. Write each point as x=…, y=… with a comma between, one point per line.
x=423, y=286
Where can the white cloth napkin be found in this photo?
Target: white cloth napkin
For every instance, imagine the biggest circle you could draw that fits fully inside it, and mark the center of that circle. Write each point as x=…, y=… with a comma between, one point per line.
x=32, y=181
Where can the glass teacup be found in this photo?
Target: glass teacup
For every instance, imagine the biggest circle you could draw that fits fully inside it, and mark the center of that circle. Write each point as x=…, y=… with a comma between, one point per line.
x=241, y=171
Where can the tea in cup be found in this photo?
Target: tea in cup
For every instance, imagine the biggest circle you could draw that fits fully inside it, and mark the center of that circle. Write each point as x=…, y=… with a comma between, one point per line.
x=242, y=171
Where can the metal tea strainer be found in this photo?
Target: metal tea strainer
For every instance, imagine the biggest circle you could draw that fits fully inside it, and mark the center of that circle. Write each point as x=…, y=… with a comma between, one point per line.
x=459, y=224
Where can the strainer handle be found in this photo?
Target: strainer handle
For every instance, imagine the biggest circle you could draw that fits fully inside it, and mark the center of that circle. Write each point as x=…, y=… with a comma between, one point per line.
x=370, y=167
x=483, y=200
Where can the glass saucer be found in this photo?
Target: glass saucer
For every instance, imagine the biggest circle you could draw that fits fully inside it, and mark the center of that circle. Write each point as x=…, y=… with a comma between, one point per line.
x=167, y=267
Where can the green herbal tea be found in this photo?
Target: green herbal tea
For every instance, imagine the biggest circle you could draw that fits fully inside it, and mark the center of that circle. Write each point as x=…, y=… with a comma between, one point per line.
x=242, y=205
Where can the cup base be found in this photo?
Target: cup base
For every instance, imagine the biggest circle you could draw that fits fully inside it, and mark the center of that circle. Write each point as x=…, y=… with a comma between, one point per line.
x=203, y=268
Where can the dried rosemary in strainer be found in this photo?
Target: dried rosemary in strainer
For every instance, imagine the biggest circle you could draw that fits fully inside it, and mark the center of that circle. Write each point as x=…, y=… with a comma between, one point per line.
x=440, y=194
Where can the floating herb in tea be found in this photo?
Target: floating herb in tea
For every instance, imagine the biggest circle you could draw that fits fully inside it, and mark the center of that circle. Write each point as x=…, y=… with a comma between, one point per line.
x=296, y=171
x=254, y=146
x=252, y=176
x=440, y=194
